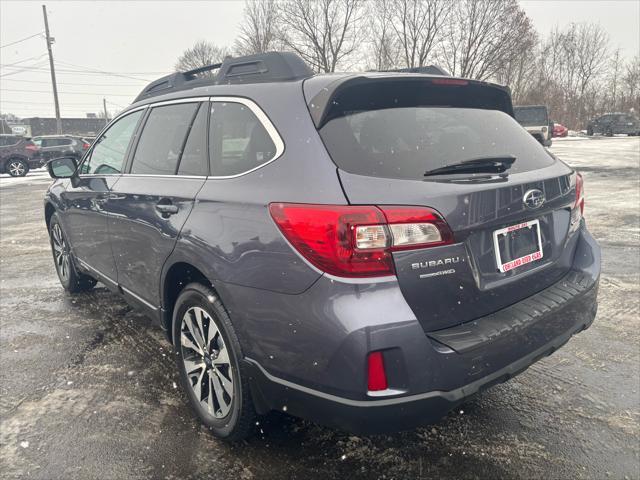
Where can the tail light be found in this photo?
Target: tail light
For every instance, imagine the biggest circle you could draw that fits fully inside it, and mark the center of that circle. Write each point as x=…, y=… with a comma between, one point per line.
x=31, y=147
x=357, y=241
x=85, y=146
x=376, y=375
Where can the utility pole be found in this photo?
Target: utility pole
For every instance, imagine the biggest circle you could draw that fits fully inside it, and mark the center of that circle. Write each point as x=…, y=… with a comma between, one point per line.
x=106, y=115
x=50, y=41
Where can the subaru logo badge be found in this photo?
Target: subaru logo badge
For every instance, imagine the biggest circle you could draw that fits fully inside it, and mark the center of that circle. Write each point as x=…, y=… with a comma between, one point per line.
x=533, y=198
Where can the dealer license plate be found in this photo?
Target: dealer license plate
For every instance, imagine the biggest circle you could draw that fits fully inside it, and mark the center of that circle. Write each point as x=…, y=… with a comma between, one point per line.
x=517, y=245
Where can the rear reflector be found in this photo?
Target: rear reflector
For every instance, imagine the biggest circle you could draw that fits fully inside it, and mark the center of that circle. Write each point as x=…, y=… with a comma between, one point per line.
x=376, y=376
x=358, y=241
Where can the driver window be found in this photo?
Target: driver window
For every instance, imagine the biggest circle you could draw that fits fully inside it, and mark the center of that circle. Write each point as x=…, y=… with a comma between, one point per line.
x=107, y=156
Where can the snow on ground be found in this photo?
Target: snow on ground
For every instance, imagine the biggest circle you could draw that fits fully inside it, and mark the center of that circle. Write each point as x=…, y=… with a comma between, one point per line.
x=33, y=177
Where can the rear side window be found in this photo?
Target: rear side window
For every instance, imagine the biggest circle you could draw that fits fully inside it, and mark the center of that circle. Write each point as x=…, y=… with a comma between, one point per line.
x=107, y=156
x=194, y=157
x=406, y=142
x=162, y=139
x=6, y=141
x=238, y=141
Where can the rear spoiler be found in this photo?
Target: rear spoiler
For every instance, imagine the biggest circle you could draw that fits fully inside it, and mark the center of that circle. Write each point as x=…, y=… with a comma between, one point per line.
x=354, y=93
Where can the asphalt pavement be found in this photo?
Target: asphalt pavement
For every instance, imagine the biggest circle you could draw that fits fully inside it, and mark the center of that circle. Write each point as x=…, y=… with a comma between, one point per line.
x=89, y=390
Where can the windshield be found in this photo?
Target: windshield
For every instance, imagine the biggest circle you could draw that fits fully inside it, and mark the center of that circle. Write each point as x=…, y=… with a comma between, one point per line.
x=406, y=142
x=531, y=116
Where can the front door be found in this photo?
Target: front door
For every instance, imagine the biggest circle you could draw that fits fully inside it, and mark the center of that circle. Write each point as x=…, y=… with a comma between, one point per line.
x=85, y=219
x=149, y=205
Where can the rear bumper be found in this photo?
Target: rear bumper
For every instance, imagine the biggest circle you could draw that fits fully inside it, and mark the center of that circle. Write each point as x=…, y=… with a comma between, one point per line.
x=443, y=368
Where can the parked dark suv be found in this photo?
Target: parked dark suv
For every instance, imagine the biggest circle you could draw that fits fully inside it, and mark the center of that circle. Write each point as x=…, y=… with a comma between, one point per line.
x=17, y=155
x=363, y=250
x=613, y=124
x=54, y=146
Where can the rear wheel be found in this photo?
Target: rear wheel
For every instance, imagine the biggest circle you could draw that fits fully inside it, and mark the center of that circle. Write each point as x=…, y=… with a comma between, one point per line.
x=208, y=358
x=609, y=132
x=17, y=167
x=590, y=131
x=70, y=279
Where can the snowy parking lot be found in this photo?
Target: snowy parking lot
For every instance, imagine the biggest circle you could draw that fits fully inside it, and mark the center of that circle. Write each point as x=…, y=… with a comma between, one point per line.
x=88, y=391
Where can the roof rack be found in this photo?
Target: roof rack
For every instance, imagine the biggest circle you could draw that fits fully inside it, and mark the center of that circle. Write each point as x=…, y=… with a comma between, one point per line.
x=260, y=68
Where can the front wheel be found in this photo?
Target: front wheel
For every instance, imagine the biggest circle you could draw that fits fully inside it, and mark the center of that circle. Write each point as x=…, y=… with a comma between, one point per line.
x=208, y=357
x=17, y=168
x=590, y=132
x=70, y=279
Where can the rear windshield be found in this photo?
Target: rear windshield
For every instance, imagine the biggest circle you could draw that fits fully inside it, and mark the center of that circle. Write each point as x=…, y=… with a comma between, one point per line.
x=531, y=116
x=406, y=142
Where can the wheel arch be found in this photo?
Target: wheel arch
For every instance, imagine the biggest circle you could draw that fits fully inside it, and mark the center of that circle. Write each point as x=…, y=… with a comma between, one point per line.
x=49, y=210
x=176, y=277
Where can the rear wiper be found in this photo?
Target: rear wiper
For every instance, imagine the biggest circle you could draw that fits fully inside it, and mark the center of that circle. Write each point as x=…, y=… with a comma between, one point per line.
x=476, y=165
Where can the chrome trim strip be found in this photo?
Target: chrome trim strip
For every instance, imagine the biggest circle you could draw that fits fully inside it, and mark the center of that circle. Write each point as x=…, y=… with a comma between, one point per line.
x=124, y=289
x=178, y=100
x=200, y=177
x=250, y=104
x=139, y=298
x=98, y=272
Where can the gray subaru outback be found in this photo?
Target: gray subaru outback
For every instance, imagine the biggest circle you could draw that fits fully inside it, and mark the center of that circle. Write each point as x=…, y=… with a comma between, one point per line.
x=362, y=250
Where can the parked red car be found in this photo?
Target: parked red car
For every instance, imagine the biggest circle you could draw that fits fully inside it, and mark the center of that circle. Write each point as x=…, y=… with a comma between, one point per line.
x=560, y=130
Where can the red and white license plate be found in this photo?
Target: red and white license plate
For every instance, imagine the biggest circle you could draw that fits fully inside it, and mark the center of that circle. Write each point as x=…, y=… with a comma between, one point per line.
x=517, y=245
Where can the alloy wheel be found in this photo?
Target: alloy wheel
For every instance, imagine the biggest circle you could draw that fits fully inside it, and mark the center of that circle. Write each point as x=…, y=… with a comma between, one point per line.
x=60, y=252
x=17, y=169
x=206, y=362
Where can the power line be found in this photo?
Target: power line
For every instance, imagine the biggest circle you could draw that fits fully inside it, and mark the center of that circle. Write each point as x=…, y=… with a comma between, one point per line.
x=66, y=93
x=83, y=84
x=40, y=103
x=37, y=57
x=22, y=40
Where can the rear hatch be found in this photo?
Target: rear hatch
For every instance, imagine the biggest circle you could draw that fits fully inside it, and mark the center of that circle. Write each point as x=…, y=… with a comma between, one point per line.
x=384, y=134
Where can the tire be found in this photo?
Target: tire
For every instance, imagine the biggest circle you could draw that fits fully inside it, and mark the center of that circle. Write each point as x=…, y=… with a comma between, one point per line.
x=589, y=132
x=70, y=279
x=201, y=364
x=609, y=132
x=17, y=167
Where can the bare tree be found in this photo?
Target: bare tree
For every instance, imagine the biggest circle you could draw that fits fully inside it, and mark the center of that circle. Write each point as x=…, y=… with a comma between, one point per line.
x=258, y=31
x=384, y=51
x=324, y=33
x=483, y=35
x=417, y=25
x=631, y=82
x=614, y=80
x=203, y=53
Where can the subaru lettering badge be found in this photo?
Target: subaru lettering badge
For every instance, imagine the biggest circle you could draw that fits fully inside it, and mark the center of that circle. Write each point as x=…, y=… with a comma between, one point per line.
x=533, y=198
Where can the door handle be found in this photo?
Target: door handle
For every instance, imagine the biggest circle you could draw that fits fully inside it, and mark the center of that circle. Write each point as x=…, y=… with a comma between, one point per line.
x=166, y=209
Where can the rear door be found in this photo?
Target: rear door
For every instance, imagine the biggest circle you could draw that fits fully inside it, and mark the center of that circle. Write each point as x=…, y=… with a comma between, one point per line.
x=385, y=137
x=149, y=205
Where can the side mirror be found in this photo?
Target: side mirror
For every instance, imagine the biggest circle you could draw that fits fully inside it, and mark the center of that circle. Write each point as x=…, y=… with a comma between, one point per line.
x=63, y=167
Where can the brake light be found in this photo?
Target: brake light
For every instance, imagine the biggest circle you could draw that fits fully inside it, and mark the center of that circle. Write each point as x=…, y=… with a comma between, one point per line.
x=449, y=81
x=85, y=146
x=376, y=375
x=31, y=147
x=357, y=241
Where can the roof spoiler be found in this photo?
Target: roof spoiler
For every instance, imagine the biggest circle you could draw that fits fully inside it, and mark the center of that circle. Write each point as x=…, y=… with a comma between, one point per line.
x=260, y=68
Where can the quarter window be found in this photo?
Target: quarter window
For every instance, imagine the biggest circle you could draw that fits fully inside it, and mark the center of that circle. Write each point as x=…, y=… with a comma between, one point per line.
x=163, y=139
x=107, y=156
x=238, y=141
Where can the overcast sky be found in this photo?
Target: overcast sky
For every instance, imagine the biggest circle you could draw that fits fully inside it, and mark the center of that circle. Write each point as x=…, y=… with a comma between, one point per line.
x=140, y=41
